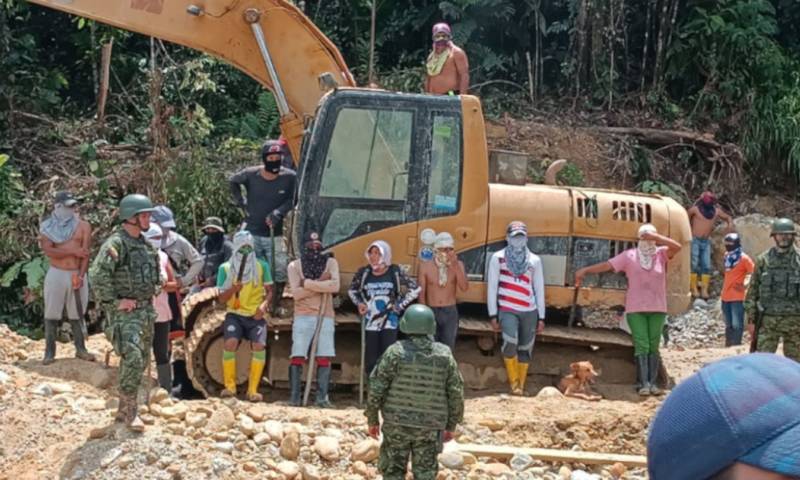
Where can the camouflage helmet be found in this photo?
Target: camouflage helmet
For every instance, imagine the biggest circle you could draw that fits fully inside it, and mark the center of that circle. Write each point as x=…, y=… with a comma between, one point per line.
x=783, y=225
x=134, y=204
x=418, y=320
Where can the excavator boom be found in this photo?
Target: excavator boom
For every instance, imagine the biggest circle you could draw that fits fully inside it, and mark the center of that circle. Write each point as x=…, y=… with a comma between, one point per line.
x=270, y=40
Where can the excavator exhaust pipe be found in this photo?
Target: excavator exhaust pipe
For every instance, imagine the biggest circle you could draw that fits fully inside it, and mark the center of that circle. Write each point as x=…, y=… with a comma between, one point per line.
x=253, y=17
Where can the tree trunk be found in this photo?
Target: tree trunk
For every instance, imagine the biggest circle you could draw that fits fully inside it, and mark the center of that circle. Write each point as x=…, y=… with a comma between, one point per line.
x=105, y=67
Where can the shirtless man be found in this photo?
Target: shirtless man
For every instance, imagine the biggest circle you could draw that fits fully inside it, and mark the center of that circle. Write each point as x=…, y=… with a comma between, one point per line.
x=439, y=281
x=703, y=216
x=447, y=66
x=66, y=240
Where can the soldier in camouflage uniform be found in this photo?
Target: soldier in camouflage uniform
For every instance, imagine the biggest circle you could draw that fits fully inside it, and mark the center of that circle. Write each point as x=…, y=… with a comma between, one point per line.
x=419, y=390
x=125, y=277
x=775, y=293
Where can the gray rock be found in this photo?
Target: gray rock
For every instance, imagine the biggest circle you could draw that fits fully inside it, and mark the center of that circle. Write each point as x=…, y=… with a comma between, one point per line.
x=451, y=460
x=520, y=462
x=43, y=389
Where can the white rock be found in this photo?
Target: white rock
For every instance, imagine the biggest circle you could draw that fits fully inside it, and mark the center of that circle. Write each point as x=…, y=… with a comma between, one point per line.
x=261, y=438
x=360, y=468
x=247, y=426
x=451, y=460
x=220, y=465
x=4, y=377
x=43, y=389
x=221, y=419
x=61, y=388
x=366, y=450
x=288, y=468
x=274, y=429
x=549, y=392
x=581, y=475
x=520, y=462
x=327, y=448
x=196, y=419
x=225, y=447
x=179, y=411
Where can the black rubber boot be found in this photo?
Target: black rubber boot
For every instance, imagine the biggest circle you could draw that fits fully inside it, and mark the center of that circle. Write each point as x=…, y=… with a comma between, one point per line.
x=277, y=294
x=181, y=384
x=164, y=373
x=50, y=332
x=323, y=383
x=79, y=337
x=653, y=363
x=295, y=371
x=643, y=374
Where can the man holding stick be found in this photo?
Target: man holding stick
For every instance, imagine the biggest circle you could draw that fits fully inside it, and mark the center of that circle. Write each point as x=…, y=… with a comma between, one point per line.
x=313, y=279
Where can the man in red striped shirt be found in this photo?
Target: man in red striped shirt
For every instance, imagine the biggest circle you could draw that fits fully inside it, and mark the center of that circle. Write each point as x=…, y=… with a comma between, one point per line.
x=516, y=288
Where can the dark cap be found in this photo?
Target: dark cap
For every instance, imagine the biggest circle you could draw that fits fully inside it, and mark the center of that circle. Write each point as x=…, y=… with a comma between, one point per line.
x=312, y=237
x=65, y=198
x=516, y=228
x=272, y=147
x=214, y=223
x=741, y=409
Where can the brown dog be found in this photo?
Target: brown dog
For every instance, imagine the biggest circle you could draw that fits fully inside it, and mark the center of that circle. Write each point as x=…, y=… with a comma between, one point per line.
x=577, y=383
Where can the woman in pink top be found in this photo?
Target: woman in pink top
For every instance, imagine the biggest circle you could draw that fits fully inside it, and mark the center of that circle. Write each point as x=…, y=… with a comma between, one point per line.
x=161, y=345
x=646, y=299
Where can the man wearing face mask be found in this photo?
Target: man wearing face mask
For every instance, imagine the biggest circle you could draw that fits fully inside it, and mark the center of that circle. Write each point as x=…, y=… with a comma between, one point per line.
x=775, y=293
x=738, y=269
x=185, y=259
x=447, y=66
x=703, y=217
x=125, y=277
x=215, y=250
x=515, y=283
x=65, y=240
x=270, y=196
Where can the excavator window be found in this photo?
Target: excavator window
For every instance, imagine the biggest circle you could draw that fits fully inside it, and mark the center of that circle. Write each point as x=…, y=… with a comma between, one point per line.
x=444, y=185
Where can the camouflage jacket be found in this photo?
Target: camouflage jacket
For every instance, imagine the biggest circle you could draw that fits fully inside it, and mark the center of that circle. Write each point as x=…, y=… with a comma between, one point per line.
x=125, y=267
x=775, y=285
x=395, y=363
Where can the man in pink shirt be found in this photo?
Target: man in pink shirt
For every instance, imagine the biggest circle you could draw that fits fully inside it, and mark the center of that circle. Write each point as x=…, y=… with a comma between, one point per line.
x=646, y=299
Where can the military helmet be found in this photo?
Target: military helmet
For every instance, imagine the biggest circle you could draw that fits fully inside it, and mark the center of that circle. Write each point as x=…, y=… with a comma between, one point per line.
x=134, y=204
x=418, y=320
x=783, y=225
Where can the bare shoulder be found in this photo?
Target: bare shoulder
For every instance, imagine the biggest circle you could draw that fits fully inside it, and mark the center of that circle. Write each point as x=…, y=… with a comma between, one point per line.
x=84, y=226
x=458, y=51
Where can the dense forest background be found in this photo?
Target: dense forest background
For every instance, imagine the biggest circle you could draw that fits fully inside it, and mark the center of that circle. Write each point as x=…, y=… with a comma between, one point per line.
x=177, y=121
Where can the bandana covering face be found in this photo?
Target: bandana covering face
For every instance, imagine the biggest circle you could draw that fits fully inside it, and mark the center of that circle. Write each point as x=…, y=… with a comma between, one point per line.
x=214, y=241
x=733, y=254
x=707, y=205
x=386, y=254
x=61, y=225
x=242, y=240
x=436, y=60
x=151, y=233
x=443, y=241
x=313, y=261
x=517, y=255
x=646, y=248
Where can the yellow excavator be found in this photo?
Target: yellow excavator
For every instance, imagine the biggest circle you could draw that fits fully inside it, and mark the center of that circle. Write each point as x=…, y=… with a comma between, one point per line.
x=374, y=164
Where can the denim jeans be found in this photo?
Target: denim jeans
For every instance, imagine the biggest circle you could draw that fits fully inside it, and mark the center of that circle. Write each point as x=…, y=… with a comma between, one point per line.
x=263, y=248
x=701, y=256
x=733, y=313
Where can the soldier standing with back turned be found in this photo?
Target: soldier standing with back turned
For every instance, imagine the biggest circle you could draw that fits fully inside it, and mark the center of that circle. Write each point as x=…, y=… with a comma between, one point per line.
x=775, y=293
x=420, y=393
x=125, y=277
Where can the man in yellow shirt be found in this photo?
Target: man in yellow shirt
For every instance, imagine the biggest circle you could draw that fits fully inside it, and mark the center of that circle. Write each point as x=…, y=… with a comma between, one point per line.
x=245, y=285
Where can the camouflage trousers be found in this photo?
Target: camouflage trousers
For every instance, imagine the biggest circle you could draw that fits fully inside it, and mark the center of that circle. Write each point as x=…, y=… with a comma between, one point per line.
x=773, y=328
x=131, y=335
x=400, y=443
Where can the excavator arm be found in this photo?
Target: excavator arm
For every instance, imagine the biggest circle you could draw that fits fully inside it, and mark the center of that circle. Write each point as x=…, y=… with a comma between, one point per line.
x=270, y=40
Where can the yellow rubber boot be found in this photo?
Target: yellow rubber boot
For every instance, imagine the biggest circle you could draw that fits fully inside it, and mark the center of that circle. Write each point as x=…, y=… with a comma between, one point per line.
x=693, y=285
x=704, y=281
x=256, y=369
x=229, y=373
x=511, y=372
x=522, y=375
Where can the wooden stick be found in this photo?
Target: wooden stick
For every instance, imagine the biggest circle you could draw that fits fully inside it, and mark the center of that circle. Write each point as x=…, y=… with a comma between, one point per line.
x=547, y=454
x=105, y=65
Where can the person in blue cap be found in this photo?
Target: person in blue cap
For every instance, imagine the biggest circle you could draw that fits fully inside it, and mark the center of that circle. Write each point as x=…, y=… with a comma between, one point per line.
x=735, y=419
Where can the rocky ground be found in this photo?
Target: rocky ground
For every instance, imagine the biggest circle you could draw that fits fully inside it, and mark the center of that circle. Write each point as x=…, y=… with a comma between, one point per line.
x=53, y=423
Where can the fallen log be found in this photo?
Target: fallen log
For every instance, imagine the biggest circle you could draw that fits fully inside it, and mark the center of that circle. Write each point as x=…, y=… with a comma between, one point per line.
x=663, y=137
x=548, y=455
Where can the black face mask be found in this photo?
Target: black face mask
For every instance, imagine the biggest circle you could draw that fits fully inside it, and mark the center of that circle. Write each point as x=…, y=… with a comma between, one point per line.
x=731, y=247
x=272, y=166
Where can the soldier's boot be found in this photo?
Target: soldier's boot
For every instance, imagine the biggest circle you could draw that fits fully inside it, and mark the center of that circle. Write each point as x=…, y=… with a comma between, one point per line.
x=256, y=370
x=80, y=341
x=228, y=374
x=522, y=375
x=705, y=279
x=653, y=363
x=164, y=374
x=50, y=332
x=511, y=372
x=132, y=420
x=122, y=409
x=643, y=375
x=323, y=383
x=295, y=371
x=693, y=285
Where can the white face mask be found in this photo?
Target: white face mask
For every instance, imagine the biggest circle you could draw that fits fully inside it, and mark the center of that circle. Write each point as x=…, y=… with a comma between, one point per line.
x=518, y=241
x=155, y=242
